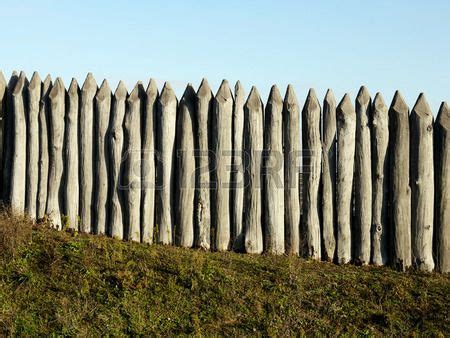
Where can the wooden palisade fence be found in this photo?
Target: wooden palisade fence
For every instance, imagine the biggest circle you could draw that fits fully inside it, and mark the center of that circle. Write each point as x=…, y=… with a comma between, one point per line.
x=363, y=183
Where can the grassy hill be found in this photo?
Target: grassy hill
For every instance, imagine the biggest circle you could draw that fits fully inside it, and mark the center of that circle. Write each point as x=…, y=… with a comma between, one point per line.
x=63, y=283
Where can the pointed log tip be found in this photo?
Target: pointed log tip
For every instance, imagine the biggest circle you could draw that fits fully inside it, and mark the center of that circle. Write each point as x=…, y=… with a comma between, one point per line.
x=274, y=95
x=443, y=117
x=398, y=103
x=47, y=80
x=378, y=102
x=204, y=90
x=311, y=102
x=20, y=84
x=421, y=107
x=290, y=97
x=239, y=93
x=35, y=81
x=346, y=106
x=254, y=99
x=329, y=96
x=224, y=92
x=189, y=92
x=104, y=91
x=57, y=88
x=121, y=90
x=2, y=79
x=152, y=87
x=137, y=92
x=363, y=96
x=89, y=83
x=167, y=93
x=73, y=87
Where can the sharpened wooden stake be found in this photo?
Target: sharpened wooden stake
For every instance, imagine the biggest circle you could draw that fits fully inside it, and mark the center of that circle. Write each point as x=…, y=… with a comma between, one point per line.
x=44, y=107
x=380, y=175
x=422, y=185
x=222, y=147
x=312, y=156
x=101, y=120
x=71, y=191
x=363, y=179
x=442, y=189
x=133, y=170
x=202, y=208
x=274, y=174
x=253, y=146
x=328, y=180
x=86, y=138
x=185, y=169
x=166, y=122
x=56, y=140
x=148, y=163
x=292, y=149
x=116, y=143
x=346, y=128
x=3, y=99
x=18, y=164
x=399, y=182
x=34, y=96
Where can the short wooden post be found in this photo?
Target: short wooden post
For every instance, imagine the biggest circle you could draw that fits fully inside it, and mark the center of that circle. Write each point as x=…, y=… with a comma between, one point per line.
x=291, y=142
x=56, y=140
x=399, y=182
x=328, y=180
x=422, y=184
x=312, y=156
x=71, y=191
x=148, y=163
x=34, y=96
x=165, y=204
x=274, y=173
x=18, y=164
x=346, y=128
x=88, y=92
x=202, y=208
x=43, y=147
x=116, y=142
x=101, y=159
x=185, y=169
x=237, y=192
x=362, y=178
x=380, y=173
x=253, y=146
x=222, y=147
x=133, y=169
x=3, y=115
x=442, y=179
x=8, y=139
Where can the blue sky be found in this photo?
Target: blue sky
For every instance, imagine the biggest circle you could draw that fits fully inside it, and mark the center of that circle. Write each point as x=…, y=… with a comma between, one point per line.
x=338, y=44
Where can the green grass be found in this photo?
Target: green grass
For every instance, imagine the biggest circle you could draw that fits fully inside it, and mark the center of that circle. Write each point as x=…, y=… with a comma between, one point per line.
x=63, y=283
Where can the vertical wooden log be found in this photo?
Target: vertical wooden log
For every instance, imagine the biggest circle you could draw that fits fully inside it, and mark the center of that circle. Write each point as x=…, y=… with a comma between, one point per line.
x=71, y=190
x=132, y=175
x=274, y=173
x=18, y=164
x=202, y=195
x=399, y=182
x=166, y=118
x=148, y=163
x=442, y=179
x=101, y=120
x=291, y=142
x=380, y=167
x=422, y=184
x=8, y=139
x=362, y=178
x=346, y=128
x=34, y=96
x=43, y=147
x=222, y=146
x=185, y=169
x=329, y=177
x=237, y=192
x=56, y=140
x=312, y=150
x=86, y=138
x=3, y=115
x=253, y=146
x=116, y=142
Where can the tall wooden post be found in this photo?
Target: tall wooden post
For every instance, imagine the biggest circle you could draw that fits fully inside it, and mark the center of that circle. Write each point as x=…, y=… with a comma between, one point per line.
x=222, y=147
x=363, y=178
x=422, y=184
x=312, y=156
x=328, y=180
x=56, y=139
x=346, y=128
x=274, y=173
x=399, y=182
x=291, y=143
x=3, y=98
x=380, y=175
x=253, y=146
x=101, y=120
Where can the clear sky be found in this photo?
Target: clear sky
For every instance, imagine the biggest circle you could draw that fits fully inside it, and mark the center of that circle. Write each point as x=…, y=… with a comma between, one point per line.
x=385, y=45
